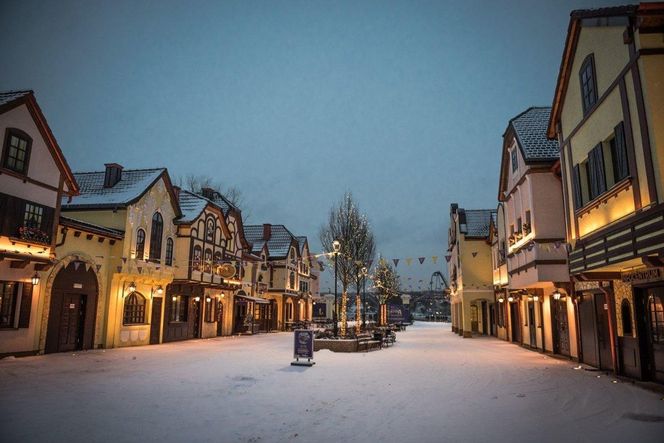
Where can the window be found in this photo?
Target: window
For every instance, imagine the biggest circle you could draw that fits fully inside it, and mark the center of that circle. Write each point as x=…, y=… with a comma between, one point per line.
x=588, y=83
x=209, y=309
x=289, y=310
x=8, y=299
x=626, y=314
x=291, y=280
x=134, y=309
x=208, y=261
x=519, y=225
x=155, y=236
x=169, y=252
x=196, y=261
x=618, y=151
x=515, y=160
x=656, y=317
x=16, y=152
x=292, y=255
x=178, y=308
x=596, y=174
x=32, y=217
x=209, y=231
x=527, y=227
x=230, y=243
x=304, y=286
x=140, y=244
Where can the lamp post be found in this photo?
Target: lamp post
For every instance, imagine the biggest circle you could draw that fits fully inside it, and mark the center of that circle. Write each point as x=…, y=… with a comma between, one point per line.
x=336, y=246
x=364, y=297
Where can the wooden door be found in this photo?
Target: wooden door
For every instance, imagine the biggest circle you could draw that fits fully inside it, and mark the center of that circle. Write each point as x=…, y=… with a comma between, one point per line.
x=588, y=326
x=515, y=322
x=485, y=315
x=220, y=318
x=532, y=327
x=196, y=317
x=560, y=328
x=655, y=326
x=603, y=336
x=72, y=319
x=155, y=320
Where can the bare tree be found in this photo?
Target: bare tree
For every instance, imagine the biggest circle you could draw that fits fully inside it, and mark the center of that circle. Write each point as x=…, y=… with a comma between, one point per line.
x=194, y=183
x=346, y=225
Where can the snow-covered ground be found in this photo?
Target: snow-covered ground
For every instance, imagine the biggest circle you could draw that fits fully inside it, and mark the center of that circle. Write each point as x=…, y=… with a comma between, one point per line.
x=432, y=386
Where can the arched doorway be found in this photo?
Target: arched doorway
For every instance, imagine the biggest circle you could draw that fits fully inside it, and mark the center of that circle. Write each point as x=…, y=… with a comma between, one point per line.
x=71, y=319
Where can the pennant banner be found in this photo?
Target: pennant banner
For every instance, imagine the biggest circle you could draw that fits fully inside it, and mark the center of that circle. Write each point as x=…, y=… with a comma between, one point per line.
x=124, y=259
x=119, y=269
x=98, y=267
x=77, y=264
x=474, y=254
x=447, y=258
x=421, y=259
x=140, y=269
x=409, y=261
x=434, y=259
x=396, y=262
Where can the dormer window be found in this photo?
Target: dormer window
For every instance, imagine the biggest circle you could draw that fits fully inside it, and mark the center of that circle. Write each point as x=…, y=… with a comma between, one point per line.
x=588, y=83
x=515, y=160
x=16, y=151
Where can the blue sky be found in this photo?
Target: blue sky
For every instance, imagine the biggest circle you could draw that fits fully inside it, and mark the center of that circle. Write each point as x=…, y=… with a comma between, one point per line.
x=402, y=103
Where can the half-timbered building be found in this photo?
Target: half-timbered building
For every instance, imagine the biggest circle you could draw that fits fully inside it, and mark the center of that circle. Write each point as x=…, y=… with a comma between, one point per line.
x=607, y=116
x=34, y=176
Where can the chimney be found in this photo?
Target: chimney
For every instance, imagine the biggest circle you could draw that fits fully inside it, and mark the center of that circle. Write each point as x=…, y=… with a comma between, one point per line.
x=176, y=191
x=267, y=231
x=454, y=207
x=112, y=175
x=208, y=193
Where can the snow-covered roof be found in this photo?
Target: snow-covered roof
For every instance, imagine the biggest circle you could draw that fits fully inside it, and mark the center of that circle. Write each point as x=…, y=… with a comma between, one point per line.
x=133, y=184
x=278, y=244
x=191, y=205
x=10, y=96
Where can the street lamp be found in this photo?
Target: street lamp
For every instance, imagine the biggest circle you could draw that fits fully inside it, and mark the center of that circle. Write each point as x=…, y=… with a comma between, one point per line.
x=336, y=246
x=364, y=273
x=35, y=279
x=556, y=294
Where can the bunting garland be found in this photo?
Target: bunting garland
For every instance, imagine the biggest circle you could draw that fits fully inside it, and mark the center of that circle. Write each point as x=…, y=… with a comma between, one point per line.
x=396, y=262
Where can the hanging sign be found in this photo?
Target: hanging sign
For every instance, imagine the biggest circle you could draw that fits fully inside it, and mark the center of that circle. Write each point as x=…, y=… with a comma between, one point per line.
x=227, y=270
x=303, y=347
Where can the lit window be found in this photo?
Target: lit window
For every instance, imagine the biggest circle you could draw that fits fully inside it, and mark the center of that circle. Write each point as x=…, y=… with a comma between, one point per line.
x=32, y=218
x=134, y=309
x=178, y=308
x=16, y=152
x=169, y=252
x=155, y=236
x=140, y=244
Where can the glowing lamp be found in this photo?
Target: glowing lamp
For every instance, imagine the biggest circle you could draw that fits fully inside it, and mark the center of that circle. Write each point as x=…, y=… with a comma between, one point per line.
x=174, y=298
x=160, y=290
x=536, y=297
x=510, y=299
x=132, y=287
x=556, y=294
x=336, y=245
x=197, y=299
x=35, y=279
x=501, y=299
x=208, y=299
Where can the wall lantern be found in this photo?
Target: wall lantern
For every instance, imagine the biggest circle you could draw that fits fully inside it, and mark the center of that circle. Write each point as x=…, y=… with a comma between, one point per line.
x=197, y=299
x=174, y=298
x=510, y=299
x=160, y=290
x=556, y=294
x=501, y=299
x=535, y=297
x=35, y=279
x=208, y=299
x=132, y=287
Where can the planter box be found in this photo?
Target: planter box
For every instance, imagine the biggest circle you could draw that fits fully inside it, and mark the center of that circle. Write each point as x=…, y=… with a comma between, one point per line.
x=336, y=345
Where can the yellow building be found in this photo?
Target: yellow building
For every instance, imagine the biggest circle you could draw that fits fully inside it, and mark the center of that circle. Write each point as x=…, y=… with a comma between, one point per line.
x=470, y=270
x=141, y=204
x=608, y=117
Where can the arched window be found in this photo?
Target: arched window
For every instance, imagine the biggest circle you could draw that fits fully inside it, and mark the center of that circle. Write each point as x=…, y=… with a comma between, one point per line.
x=209, y=231
x=626, y=314
x=292, y=255
x=588, y=83
x=140, y=244
x=155, y=236
x=134, y=309
x=169, y=252
x=230, y=243
x=291, y=280
x=196, y=259
x=208, y=260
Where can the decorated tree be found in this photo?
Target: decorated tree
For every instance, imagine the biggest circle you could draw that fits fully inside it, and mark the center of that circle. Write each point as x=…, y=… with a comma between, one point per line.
x=387, y=283
x=363, y=248
x=351, y=229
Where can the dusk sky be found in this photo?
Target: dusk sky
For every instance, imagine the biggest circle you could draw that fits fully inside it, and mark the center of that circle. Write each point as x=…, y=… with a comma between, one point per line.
x=402, y=103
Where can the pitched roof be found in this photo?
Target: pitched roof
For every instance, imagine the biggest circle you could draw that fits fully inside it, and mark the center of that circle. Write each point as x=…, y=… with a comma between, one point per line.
x=191, y=205
x=301, y=240
x=10, y=96
x=93, y=195
x=278, y=244
x=11, y=99
x=530, y=132
x=475, y=222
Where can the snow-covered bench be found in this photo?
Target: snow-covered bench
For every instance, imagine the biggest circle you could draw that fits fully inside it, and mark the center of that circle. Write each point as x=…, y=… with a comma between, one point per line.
x=366, y=343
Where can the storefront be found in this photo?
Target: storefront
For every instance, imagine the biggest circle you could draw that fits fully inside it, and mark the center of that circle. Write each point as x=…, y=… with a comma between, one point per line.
x=252, y=315
x=183, y=312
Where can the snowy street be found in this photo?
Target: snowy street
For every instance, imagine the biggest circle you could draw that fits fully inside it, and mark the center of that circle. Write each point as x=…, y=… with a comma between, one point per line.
x=431, y=386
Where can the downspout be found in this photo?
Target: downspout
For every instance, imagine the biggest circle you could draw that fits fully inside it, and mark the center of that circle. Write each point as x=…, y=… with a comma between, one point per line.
x=64, y=237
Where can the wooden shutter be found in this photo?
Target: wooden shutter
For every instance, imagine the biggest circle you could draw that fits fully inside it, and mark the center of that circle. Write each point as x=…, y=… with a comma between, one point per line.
x=576, y=185
x=26, y=306
x=600, y=171
x=620, y=164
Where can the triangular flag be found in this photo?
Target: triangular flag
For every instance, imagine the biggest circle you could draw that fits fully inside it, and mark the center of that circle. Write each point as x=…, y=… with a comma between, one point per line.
x=434, y=259
x=409, y=261
x=447, y=258
x=140, y=269
x=558, y=243
x=124, y=259
x=77, y=264
x=87, y=266
x=421, y=259
x=396, y=262
x=98, y=267
x=382, y=262
x=119, y=269
x=474, y=254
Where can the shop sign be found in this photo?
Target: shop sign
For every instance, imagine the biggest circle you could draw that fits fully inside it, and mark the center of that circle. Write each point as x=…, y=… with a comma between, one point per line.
x=303, y=347
x=639, y=276
x=226, y=270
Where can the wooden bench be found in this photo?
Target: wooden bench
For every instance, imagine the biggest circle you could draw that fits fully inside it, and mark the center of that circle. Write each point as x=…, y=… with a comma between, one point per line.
x=366, y=343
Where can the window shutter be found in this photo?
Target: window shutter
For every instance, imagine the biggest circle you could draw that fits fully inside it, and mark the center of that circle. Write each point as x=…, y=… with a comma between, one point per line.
x=576, y=185
x=26, y=306
x=599, y=169
x=621, y=166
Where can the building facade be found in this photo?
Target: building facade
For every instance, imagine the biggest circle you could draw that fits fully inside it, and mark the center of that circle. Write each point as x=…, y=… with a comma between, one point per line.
x=607, y=116
x=531, y=212
x=34, y=176
x=469, y=267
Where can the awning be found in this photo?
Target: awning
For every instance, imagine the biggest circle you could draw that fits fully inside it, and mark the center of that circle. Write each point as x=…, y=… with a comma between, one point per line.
x=253, y=299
